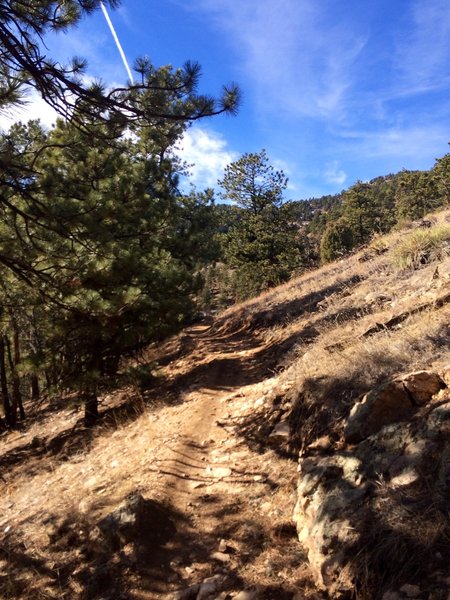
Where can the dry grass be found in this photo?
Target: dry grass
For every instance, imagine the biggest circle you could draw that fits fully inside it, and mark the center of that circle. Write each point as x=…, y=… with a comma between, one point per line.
x=422, y=247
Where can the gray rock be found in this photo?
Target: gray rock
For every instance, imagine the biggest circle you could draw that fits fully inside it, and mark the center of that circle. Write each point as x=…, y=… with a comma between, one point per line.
x=344, y=495
x=209, y=587
x=137, y=520
x=189, y=593
x=221, y=557
x=412, y=591
x=281, y=432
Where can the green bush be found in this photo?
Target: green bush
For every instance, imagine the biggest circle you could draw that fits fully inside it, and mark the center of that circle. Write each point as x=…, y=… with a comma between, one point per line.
x=337, y=241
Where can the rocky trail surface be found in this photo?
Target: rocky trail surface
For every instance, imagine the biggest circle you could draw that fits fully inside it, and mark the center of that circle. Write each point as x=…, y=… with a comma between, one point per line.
x=179, y=502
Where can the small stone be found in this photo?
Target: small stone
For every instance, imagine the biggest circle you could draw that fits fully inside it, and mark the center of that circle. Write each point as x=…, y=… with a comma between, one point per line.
x=221, y=557
x=189, y=593
x=391, y=596
x=446, y=374
x=321, y=444
x=246, y=595
x=281, y=431
x=222, y=546
x=407, y=477
x=220, y=472
x=412, y=591
x=208, y=587
x=197, y=484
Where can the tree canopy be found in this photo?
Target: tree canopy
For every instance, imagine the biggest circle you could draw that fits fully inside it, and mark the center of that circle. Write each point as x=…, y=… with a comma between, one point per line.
x=262, y=245
x=99, y=250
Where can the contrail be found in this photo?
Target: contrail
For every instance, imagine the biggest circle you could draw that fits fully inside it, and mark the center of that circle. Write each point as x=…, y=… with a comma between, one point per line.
x=116, y=39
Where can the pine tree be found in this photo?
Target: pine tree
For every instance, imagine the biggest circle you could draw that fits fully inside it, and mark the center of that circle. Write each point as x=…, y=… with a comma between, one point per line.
x=263, y=245
x=416, y=195
x=441, y=177
x=337, y=241
x=91, y=218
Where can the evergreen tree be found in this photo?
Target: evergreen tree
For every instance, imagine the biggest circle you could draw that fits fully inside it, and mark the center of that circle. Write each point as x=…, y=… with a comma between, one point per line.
x=263, y=245
x=441, y=177
x=337, y=241
x=416, y=195
x=24, y=61
x=91, y=219
x=360, y=212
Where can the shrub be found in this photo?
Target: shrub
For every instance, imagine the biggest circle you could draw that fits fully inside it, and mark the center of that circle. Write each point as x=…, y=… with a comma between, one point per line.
x=422, y=247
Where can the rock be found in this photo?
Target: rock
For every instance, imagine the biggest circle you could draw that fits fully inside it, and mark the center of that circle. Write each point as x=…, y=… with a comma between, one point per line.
x=246, y=595
x=221, y=557
x=223, y=546
x=98, y=544
x=219, y=472
x=122, y=525
x=385, y=404
x=281, y=432
x=345, y=496
x=391, y=596
x=138, y=520
x=391, y=402
x=446, y=375
x=259, y=402
x=189, y=593
x=412, y=591
x=406, y=477
x=322, y=444
x=422, y=385
x=329, y=492
x=209, y=587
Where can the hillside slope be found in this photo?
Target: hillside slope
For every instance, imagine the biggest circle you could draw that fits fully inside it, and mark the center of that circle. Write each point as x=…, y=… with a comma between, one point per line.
x=188, y=489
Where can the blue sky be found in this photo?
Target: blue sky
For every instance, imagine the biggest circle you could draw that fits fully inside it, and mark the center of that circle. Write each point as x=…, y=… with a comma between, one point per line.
x=334, y=90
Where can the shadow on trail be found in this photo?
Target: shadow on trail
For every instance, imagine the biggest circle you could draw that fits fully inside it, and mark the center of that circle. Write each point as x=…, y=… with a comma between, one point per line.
x=87, y=558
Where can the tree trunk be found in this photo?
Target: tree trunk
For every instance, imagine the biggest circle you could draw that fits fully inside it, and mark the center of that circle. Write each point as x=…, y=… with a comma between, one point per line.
x=91, y=414
x=34, y=388
x=10, y=416
x=16, y=364
x=13, y=362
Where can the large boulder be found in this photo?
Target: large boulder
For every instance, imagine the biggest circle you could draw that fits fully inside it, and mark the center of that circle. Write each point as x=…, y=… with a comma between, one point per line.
x=377, y=506
x=385, y=404
x=422, y=385
x=391, y=402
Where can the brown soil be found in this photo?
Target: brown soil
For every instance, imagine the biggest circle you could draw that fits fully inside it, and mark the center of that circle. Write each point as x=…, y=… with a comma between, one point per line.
x=221, y=507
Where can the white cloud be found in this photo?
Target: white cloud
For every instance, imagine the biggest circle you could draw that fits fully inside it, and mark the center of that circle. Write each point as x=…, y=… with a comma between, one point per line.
x=333, y=174
x=297, y=58
x=422, y=53
x=207, y=155
x=412, y=145
x=34, y=108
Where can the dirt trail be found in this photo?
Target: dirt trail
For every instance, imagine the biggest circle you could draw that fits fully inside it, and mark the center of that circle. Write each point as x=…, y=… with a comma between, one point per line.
x=218, y=486
x=223, y=505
